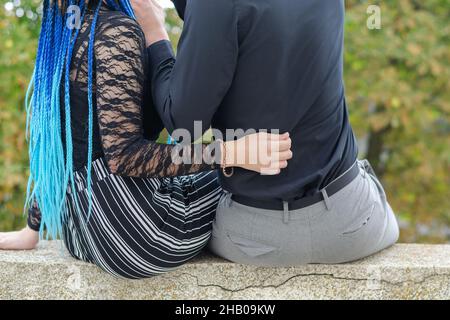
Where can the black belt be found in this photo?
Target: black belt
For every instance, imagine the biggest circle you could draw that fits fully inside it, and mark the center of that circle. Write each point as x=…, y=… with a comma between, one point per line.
x=331, y=189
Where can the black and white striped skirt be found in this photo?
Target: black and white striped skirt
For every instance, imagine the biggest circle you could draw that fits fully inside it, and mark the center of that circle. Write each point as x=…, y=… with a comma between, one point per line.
x=139, y=227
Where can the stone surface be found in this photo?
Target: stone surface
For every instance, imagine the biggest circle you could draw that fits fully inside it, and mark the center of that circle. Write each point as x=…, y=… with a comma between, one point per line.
x=405, y=271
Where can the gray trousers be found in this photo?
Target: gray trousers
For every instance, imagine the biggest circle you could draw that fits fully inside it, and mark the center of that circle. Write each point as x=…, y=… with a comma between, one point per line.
x=356, y=222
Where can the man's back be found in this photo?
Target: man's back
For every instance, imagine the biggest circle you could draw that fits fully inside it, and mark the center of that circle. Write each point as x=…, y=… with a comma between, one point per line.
x=276, y=64
x=289, y=77
x=262, y=64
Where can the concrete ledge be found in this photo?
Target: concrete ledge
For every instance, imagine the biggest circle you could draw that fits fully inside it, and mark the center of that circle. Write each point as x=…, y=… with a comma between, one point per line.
x=405, y=271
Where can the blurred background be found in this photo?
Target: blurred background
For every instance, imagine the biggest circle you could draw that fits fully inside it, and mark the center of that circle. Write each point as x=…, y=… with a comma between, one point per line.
x=397, y=87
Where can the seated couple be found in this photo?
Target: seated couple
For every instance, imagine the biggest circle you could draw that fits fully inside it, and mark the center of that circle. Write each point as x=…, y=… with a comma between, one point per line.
x=103, y=92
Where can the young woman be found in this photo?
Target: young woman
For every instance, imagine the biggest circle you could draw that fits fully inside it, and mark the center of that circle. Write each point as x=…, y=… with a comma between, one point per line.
x=99, y=180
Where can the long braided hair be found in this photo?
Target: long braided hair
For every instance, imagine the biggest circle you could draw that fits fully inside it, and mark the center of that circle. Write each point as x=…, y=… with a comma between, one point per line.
x=51, y=166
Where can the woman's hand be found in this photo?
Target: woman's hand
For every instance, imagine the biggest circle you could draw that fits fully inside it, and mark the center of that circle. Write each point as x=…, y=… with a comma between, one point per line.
x=262, y=152
x=25, y=239
x=150, y=15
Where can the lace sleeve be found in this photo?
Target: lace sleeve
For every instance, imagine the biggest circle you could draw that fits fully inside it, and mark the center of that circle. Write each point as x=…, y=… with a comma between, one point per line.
x=34, y=217
x=120, y=75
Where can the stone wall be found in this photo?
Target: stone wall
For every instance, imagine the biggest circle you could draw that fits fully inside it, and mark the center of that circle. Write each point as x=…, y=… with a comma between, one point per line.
x=405, y=271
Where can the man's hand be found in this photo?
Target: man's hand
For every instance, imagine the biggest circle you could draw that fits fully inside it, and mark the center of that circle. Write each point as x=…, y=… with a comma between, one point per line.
x=150, y=15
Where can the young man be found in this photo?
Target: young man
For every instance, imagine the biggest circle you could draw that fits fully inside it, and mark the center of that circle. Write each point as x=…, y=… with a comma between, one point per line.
x=273, y=64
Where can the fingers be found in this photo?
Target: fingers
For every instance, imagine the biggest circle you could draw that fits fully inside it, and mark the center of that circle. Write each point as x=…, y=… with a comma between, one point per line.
x=278, y=153
x=269, y=172
x=279, y=145
x=273, y=136
x=274, y=168
x=279, y=165
x=281, y=156
x=278, y=162
x=274, y=142
x=265, y=153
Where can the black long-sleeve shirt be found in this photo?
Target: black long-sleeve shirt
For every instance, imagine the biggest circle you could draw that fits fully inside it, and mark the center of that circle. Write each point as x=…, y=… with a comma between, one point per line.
x=262, y=64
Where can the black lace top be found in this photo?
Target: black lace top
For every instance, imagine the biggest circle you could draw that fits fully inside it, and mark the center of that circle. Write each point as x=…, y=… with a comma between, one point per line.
x=125, y=123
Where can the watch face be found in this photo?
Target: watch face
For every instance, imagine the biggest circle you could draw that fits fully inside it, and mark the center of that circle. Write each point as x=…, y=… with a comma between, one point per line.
x=180, y=5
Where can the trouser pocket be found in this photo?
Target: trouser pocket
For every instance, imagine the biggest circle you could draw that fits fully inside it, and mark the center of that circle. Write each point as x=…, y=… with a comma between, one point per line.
x=368, y=169
x=248, y=246
x=359, y=214
x=364, y=206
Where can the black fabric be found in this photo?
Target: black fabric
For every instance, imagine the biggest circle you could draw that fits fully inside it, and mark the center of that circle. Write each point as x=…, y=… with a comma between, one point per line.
x=34, y=217
x=180, y=5
x=262, y=65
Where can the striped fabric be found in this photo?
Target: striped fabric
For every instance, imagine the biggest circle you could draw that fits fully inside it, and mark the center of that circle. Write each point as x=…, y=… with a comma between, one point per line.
x=140, y=227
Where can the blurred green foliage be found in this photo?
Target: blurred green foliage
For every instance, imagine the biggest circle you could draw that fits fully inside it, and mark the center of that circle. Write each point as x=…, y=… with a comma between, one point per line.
x=398, y=91
x=397, y=86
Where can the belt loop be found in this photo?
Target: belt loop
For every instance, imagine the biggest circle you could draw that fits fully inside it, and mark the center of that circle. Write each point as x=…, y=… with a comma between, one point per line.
x=326, y=199
x=285, y=212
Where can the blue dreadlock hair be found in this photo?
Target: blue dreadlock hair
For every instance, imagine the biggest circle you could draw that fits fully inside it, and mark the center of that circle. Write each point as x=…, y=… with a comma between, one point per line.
x=50, y=171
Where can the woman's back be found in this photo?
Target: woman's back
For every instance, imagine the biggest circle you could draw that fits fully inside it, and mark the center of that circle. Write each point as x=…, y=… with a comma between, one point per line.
x=119, y=66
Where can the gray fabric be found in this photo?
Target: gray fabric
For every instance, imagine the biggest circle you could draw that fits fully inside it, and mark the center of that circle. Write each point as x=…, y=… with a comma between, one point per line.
x=356, y=222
